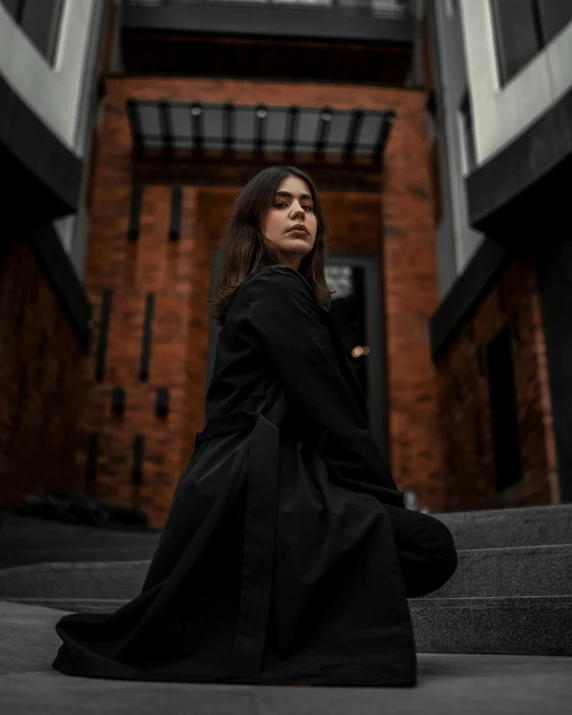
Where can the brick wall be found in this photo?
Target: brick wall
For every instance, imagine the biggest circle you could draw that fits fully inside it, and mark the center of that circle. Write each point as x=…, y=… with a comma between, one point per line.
x=40, y=381
x=465, y=405
x=397, y=224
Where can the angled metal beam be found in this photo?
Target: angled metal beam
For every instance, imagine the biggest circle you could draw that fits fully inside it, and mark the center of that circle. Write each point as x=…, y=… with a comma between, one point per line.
x=196, y=111
x=260, y=120
x=291, y=129
x=228, y=126
x=353, y=132
x=135, y=123
x=326, y=116
x=165, y=125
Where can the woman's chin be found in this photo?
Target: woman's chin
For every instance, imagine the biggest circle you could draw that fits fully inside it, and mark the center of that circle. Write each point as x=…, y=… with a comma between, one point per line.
x=299, y=245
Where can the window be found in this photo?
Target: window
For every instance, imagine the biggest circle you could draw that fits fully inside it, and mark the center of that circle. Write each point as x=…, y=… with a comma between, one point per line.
x=504, y=411
x=554, y=15
x=39, y=20
x=523, y=28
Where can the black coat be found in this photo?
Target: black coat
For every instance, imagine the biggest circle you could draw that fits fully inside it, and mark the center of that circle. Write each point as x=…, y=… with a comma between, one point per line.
x=277, y=563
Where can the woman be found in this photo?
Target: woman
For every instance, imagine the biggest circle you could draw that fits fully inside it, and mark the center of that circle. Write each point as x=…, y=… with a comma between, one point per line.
x=287, y=556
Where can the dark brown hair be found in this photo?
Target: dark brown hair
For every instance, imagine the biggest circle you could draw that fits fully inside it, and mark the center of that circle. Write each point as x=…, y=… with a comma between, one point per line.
x=245, y=250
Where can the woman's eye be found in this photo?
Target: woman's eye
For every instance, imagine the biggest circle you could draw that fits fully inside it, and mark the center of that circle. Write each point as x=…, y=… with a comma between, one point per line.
x=280, y=204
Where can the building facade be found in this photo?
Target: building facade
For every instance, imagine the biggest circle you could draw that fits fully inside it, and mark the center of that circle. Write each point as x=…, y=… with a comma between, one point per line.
x=51, y=58
x=328, y=88
x=448, y=301
x=499, y=78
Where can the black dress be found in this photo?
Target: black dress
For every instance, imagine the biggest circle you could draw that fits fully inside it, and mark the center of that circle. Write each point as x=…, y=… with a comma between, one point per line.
x=277, y=563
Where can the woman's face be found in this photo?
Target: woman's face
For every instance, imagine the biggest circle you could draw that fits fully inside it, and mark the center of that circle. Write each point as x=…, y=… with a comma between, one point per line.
x=290, y=223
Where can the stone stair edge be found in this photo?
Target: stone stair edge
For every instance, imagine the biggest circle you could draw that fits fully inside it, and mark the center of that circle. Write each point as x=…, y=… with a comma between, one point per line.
x=73, y=566
x=504, y=511
x=547, y=548
x=87, y=565
x=141, y=563
x=500, y=600
x=432, y=602
x=12, y=521
x=58, y=599
x=524, y=625
x=63, y=604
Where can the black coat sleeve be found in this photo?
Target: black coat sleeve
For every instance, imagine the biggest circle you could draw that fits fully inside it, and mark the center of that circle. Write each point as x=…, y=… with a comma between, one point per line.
x=283, y=314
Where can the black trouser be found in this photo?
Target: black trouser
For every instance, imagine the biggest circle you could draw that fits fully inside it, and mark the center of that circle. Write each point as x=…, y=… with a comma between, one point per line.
x=426, y=550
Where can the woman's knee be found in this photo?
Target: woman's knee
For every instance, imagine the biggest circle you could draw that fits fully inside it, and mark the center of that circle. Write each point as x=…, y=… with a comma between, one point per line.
x=426, y=548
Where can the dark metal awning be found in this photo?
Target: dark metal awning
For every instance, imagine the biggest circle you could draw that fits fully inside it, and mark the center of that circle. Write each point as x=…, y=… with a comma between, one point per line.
x=219, y=129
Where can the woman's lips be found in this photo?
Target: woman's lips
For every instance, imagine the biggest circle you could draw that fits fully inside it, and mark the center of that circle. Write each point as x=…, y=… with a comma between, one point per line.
x=298, y=229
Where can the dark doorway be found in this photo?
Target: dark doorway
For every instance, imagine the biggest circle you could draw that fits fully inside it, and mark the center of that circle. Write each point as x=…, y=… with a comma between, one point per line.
x=504, y=415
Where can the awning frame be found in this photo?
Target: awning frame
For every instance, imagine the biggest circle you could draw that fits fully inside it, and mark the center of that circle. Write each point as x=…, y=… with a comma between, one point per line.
x=358, y=145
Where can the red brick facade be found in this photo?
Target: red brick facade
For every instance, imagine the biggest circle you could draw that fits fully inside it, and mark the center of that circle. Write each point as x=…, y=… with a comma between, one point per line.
x=40, y=381
x=398, y=223
x=440, y=434
x=465, y=405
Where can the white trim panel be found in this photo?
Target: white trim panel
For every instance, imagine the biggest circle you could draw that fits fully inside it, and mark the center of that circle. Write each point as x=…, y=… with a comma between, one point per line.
x=53, y=93
x=500, y=114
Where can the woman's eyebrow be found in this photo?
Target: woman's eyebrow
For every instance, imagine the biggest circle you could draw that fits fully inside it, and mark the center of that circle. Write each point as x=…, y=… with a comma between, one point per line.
x=289, y=195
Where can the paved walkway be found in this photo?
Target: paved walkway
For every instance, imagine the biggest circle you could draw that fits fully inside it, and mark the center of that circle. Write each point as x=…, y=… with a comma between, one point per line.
x=468, y=684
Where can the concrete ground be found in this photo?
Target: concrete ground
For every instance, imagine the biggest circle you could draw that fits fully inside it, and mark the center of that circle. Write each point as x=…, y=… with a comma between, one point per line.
x=468, y=684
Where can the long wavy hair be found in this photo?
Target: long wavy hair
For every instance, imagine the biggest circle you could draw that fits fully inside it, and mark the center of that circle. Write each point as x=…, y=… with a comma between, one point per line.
x=245, y=250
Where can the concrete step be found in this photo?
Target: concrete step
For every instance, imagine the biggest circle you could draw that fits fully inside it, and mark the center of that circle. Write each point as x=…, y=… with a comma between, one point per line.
x=116, y=580
x=24, y=540
x=496, y=528
x=526, y=625
x=73, y=554
x=517, y=571
x=72, y=605
x=533, y=625
x=506, y=572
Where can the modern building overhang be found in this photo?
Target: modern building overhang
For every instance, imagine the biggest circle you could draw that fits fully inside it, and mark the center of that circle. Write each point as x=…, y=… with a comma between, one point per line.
x=361, y=42
x=333, y=20
x=44, y=176
x=521, y=195
x=225, y=131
